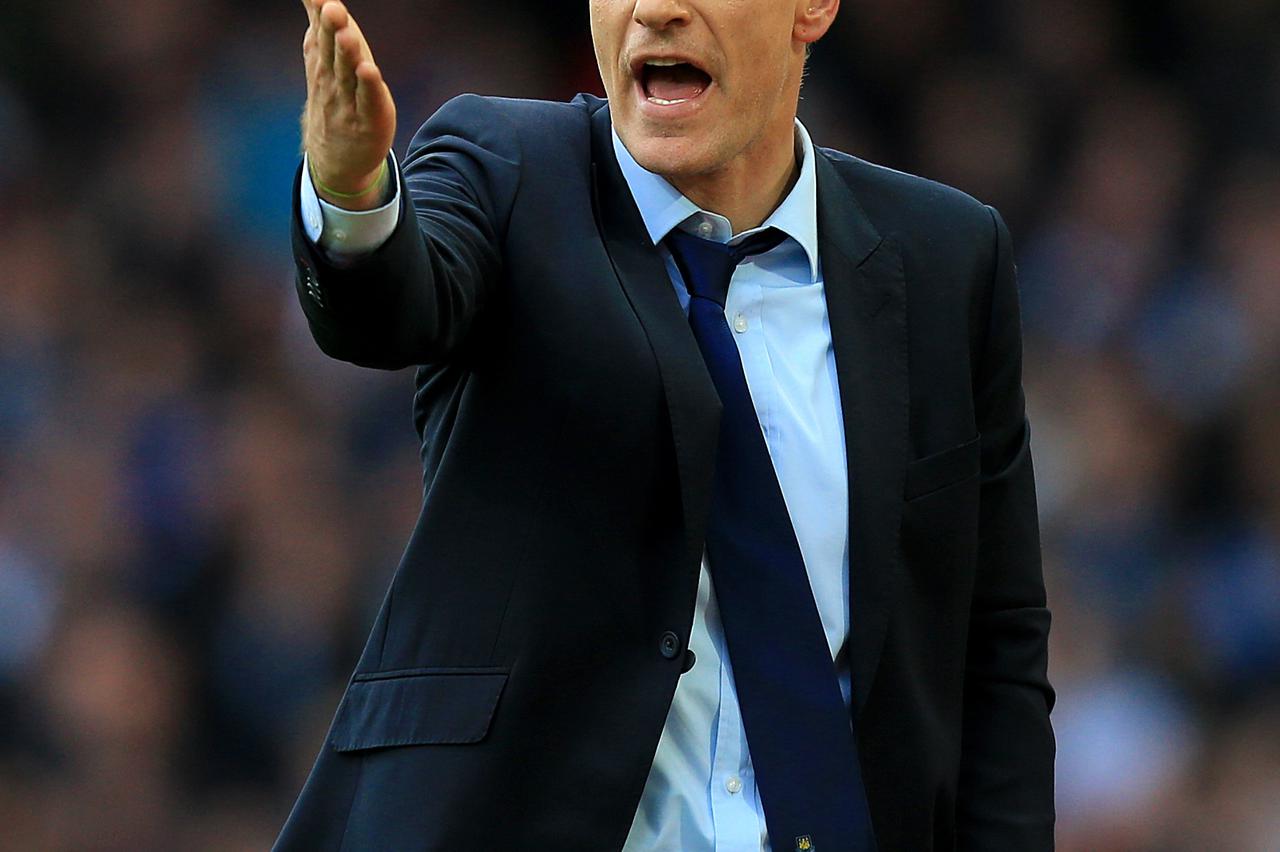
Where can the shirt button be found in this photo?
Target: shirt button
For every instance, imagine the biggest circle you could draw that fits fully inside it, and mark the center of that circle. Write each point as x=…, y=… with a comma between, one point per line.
x=739, y=322
x=670, y=645
x=704, y=229
x=733, y=785
x=339, y=235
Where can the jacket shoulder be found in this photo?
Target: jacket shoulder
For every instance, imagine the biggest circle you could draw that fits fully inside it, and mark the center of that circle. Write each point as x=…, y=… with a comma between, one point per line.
x=522, y=114
x=914, y=209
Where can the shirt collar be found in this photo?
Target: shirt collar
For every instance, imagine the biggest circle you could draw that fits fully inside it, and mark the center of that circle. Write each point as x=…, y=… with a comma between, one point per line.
x=663, y=208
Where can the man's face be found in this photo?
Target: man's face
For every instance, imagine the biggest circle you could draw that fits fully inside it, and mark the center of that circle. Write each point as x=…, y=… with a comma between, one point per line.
x=695, y=84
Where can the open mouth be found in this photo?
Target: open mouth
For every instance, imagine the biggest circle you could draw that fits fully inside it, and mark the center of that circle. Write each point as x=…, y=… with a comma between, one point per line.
x=668, y=82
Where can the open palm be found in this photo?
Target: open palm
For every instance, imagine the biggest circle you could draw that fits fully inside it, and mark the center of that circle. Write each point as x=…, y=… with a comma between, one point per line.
x=350, y=118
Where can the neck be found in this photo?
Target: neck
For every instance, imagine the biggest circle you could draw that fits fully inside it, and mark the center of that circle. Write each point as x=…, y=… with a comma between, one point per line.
x=751, y=187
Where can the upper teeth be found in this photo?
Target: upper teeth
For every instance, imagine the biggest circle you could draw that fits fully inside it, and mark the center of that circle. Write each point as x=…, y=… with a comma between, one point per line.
x=663, y=63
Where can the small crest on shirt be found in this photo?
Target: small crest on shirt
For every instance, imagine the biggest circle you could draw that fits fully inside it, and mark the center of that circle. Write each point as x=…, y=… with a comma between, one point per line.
x=804, y=843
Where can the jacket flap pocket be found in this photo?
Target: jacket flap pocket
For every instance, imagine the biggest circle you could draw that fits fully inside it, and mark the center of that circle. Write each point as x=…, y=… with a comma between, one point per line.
x=418, y=707
x=935, y=472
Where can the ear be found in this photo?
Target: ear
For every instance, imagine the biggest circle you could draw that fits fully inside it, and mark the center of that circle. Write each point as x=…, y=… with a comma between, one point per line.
x=814, y=18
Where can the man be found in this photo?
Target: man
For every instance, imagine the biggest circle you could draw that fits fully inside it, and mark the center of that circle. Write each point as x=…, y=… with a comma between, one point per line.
x=698, y=566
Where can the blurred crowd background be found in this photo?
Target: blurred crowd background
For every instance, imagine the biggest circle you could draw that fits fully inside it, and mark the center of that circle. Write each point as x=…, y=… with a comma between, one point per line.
x=199, y=513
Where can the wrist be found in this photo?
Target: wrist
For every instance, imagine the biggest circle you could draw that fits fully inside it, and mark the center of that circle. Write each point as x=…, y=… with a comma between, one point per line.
x=364, y=193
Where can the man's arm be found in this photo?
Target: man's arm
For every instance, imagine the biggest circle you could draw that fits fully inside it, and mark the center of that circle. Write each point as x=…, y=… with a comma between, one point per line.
x=1007, y=753
x=414, y=298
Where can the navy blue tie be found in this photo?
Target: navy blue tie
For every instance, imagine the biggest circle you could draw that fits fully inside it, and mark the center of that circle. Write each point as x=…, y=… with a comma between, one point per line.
x=798, y=728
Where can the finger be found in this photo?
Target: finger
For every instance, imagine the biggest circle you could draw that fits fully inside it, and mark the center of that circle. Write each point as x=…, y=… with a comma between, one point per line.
x=371, y=90
x=366, y=52
x=324, y=50
x=346, y=56
x=333, y=17
x=311, y=40
x=311, y=48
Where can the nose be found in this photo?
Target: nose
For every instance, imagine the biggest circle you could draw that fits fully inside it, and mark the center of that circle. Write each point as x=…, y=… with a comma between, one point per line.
x=661, y=14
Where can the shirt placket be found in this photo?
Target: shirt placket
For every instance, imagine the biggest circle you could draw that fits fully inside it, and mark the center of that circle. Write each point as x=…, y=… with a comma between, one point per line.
x=735, y=810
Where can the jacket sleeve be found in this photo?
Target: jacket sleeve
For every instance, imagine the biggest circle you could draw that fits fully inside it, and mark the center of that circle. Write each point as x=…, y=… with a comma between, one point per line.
x=414, y=299
x=1005, y=797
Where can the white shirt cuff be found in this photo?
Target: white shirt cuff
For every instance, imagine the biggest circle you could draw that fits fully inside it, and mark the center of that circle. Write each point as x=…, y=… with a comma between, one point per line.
x=346, y=234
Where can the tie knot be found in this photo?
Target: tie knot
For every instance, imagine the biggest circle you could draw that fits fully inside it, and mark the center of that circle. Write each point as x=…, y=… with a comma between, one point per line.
x=708, y=266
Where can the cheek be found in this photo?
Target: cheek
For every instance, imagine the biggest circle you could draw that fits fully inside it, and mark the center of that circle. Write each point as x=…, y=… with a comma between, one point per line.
x=759, y=58
x=603, y=40
x=754, y=91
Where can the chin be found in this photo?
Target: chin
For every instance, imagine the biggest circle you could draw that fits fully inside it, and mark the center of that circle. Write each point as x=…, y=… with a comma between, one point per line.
x=673, y=157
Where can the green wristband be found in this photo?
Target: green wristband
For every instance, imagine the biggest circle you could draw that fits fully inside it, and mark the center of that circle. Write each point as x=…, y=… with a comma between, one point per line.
x=328, y=190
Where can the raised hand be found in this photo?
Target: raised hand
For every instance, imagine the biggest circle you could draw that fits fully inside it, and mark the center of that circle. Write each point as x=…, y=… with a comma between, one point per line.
x=350, y=119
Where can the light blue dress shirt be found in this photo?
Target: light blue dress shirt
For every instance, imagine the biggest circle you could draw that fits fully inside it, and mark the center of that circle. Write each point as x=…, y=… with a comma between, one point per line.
x=701, y=795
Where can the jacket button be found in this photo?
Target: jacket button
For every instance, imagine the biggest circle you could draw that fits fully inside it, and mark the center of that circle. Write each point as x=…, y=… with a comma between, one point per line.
x=689, y=659
x=670, y=645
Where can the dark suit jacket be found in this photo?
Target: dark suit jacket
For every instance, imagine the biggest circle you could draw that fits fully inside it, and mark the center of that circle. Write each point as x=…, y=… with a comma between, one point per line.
x=517, y=678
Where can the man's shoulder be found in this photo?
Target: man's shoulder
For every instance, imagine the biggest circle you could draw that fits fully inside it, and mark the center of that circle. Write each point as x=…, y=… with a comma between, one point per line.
x=515, y=130
x=904, y=204
x=522, y=113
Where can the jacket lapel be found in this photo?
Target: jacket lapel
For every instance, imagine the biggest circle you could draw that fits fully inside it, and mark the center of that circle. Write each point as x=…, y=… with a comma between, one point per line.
x=692, y=402
x=866, y=303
